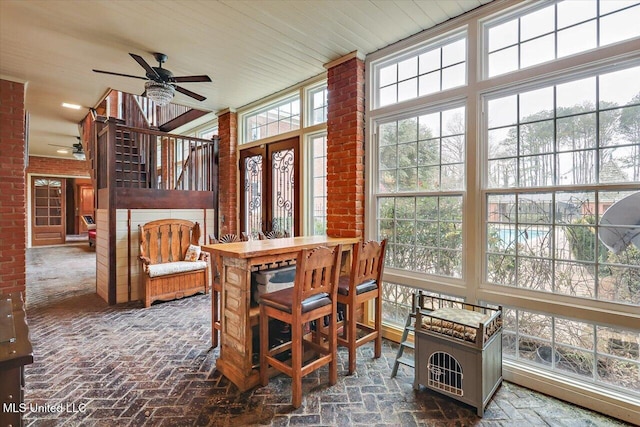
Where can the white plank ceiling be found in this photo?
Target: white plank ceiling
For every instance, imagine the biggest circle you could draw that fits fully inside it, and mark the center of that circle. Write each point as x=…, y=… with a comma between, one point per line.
x=250, y=48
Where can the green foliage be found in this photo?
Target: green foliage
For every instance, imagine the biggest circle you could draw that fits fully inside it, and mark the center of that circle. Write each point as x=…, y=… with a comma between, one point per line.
x=583, y=241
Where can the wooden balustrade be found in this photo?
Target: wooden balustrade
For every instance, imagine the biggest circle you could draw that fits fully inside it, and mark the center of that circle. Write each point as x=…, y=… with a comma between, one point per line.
x=131, y=157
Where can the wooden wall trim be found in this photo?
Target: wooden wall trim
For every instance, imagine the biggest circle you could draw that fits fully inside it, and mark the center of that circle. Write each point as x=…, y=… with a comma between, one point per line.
x=144, y=198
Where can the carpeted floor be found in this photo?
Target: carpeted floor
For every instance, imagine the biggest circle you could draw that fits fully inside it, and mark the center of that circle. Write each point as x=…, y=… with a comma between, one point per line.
x=129, y=366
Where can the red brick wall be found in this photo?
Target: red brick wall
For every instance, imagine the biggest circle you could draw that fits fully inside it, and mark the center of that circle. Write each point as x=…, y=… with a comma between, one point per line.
x=54, y=166
x=228, y=172
x=13, y=220
x=345, y=149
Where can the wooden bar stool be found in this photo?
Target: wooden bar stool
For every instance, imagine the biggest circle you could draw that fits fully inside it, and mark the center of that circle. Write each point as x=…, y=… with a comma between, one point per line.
x=217, y=286
x=312, y=297
x=363, y=284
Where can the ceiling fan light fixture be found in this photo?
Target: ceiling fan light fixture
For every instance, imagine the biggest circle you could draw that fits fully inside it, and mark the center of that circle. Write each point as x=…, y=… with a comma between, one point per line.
x=160, y=93
x=79, y=155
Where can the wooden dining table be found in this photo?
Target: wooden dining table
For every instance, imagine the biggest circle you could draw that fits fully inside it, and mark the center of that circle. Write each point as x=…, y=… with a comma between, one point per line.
x=240, y=315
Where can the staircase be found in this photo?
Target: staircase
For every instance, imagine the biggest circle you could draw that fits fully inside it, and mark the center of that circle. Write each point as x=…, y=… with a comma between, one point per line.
x=131, y=166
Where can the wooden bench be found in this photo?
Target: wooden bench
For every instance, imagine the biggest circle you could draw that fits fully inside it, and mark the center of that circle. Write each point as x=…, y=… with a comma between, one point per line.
x=166, y=275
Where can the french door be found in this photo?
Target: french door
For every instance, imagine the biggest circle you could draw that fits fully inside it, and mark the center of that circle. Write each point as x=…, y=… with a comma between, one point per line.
x=269, y=197
x=48, y=202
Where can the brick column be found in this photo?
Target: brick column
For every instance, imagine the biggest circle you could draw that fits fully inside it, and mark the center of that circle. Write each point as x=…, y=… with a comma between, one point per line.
x=345, y=147
x=228, y=172
x=13, y=220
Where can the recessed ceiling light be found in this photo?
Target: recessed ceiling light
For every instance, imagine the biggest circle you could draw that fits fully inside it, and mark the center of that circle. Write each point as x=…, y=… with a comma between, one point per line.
x=62, y=151
x=72, y=106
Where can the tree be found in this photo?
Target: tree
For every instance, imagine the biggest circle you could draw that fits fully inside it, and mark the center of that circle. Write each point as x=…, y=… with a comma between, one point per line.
x=629, y=126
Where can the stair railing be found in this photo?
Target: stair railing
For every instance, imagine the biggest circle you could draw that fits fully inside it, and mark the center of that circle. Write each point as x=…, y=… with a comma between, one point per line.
x=146, y=158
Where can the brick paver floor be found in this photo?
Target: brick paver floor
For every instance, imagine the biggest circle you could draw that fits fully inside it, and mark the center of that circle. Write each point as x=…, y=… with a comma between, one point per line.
x=125, y=365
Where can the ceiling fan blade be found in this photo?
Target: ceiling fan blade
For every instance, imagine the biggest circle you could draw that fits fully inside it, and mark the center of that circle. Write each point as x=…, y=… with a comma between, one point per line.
x=63, y=146
x=190, y=79
x=150, y=71
x=120, y=74
x=189, y=93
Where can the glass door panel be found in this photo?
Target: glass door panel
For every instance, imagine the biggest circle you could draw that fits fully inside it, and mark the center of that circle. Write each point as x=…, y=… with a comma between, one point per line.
x=48, y=208
x=269, y=186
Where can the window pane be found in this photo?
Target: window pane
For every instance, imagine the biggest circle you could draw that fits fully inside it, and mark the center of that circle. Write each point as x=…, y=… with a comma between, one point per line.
x=613, y=5
x=408, y=68
x=318, y=106
x=537, y=23
x=502, y=173
x=537, y=138
x=503, y=35
x=407, y=89
x=503, y=142
x=503, y=111
x=576, y=132
x=388, y=95
x=577, y=39
x=576, y=96
x=536, y=104
x=430, y=61
x=537, y=51
x=620, y=87
x=318, y=177
x=573, y=12
x=388, y=75
x=453, y=76
x=454, y=53
x=429, y=83
x=453, y=121
x=620, y=26
x=503, y=61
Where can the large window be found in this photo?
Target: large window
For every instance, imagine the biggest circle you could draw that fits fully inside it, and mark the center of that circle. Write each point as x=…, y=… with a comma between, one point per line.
x=276, y=119
x=558, y=29
x=586, y=351
x=419, y=194
x=317, y=102
x=582, y=132
x=318, y=184
x=515, y=185
x=439, y=66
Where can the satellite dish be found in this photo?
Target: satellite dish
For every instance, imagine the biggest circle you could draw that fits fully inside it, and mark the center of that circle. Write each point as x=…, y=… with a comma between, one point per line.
x=620, y=224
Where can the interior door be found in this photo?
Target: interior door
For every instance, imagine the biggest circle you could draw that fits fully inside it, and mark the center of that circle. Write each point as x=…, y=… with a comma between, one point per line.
x=85, y=204
x=269, y=188
x=48, y=225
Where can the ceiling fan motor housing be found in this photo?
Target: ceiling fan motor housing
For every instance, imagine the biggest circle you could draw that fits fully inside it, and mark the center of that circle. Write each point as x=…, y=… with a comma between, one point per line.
x=166, y=76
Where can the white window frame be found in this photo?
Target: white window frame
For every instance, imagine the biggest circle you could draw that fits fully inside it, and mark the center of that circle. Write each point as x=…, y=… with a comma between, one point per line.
x=415, y=51
x=518, y=13
x=618, y=404
x=310, y=175
x=290, y=99
x=310, y=107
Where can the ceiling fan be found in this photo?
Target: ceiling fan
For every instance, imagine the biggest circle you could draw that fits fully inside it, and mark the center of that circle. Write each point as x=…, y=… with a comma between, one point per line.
x=77, y=150
x=160, y=85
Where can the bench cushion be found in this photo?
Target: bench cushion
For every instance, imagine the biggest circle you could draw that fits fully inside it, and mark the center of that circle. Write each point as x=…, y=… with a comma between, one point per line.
x=155, y=270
